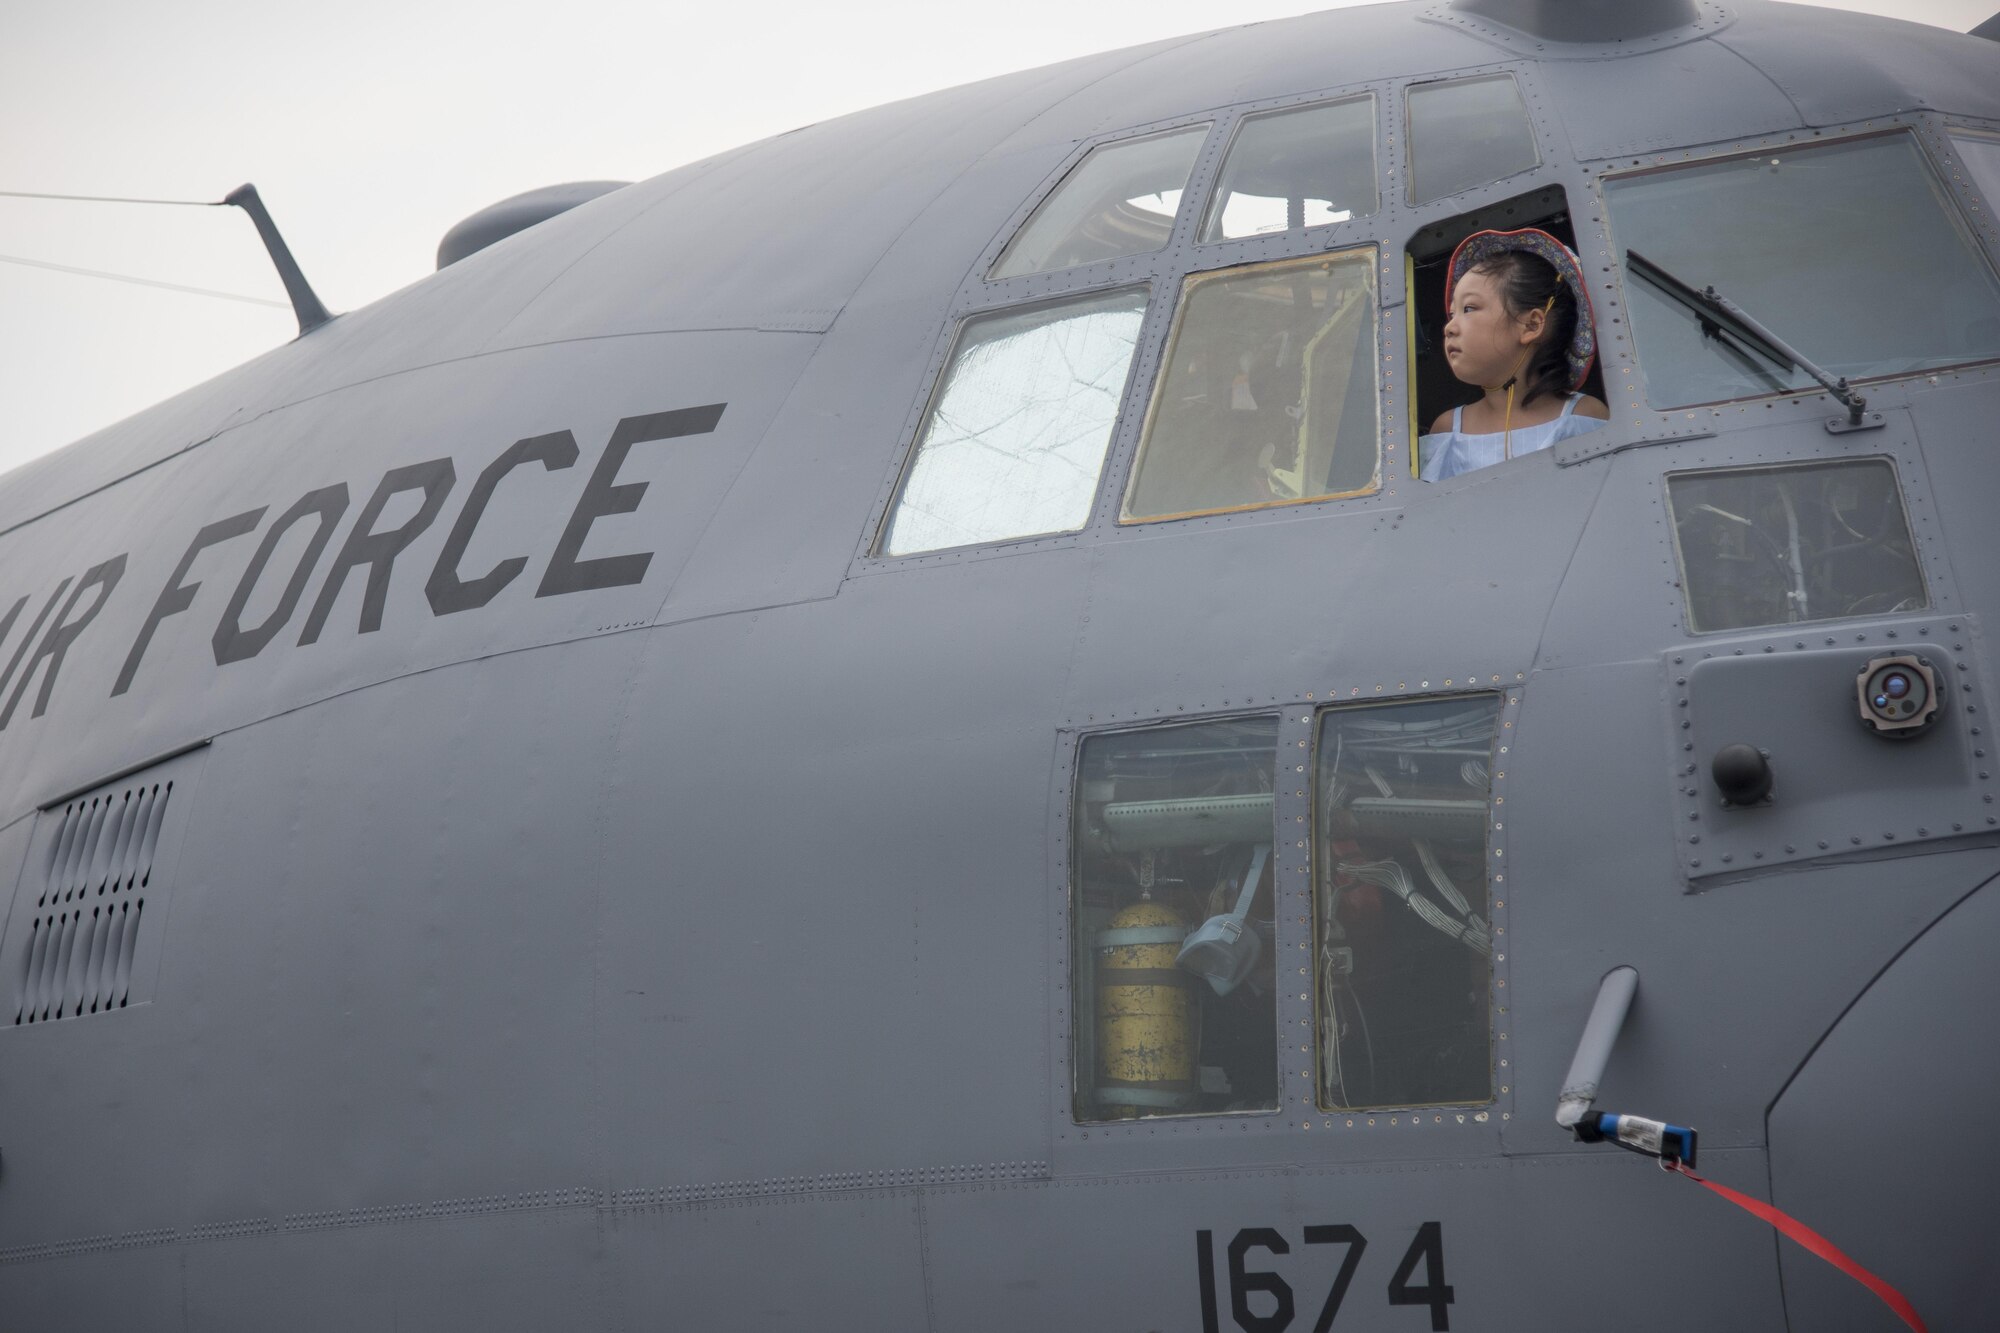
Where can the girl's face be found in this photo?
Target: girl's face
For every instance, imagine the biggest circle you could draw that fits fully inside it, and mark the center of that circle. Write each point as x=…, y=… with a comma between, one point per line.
x=1482, y=342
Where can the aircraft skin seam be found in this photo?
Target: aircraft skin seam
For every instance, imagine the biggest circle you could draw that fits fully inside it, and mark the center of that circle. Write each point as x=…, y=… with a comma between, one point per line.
x=286, y=406
x=924, y=1261
x=742, y=467
x=839, y=1185
x=830, y=1188
x=1767, y=76
x=604, y=632
x=1862, y=992
x=698, y=171
x=1582, y=535
x=1165, y=48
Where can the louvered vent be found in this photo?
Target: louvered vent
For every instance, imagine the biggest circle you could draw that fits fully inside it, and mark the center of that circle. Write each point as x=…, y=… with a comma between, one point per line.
x=84, y=929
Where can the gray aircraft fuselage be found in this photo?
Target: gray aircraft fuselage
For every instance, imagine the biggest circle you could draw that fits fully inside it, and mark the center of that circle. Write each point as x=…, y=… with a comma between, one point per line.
x=523, y=859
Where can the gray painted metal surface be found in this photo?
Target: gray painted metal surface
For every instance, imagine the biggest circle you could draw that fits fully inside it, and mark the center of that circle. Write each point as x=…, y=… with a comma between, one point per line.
x=628, y=905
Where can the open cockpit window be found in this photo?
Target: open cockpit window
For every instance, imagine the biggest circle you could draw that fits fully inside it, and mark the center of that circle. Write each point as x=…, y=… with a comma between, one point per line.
x=1851, y=251
x=1403, y=944
x=1778, y=545
x=1267, y=393
x=1467, y=132
x=1288, y=170
x=1120, y=200
x=1428, y=261
x=1173, y=921
x=1016, y=435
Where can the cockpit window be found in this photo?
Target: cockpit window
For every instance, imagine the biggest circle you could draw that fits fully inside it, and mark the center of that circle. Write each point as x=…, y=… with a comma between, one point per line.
x=1173, y=922
x=1403, y=941
x=1120, y=200
x=1776, y=545
x=1017, y=433
x=1268, y=394
x=1288, y=170
x=1981, y=155
x=1849, y=251
x=1467, y=132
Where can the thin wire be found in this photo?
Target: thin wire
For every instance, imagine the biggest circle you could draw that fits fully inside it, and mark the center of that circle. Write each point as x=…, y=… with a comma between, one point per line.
x=142, y=282
x=110, y=199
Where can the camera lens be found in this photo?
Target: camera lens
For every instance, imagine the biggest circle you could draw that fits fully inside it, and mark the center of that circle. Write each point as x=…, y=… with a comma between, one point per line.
x=1896, y=685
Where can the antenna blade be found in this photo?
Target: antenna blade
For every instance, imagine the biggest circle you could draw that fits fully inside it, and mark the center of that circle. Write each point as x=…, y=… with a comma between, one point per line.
x=304, y=303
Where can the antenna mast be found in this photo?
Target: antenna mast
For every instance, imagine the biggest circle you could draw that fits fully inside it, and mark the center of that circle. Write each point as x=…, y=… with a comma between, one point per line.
x=304, y=303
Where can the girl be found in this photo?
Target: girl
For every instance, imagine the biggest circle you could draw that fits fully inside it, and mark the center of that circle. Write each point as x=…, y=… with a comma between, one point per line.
x=1518, y=331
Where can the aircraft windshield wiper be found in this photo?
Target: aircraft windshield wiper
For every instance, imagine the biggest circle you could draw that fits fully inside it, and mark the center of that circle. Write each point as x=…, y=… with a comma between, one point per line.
x=1719, y=315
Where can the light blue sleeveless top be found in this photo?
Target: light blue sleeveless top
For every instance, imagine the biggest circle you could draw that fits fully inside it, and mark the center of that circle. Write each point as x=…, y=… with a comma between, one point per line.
x=1449, y=453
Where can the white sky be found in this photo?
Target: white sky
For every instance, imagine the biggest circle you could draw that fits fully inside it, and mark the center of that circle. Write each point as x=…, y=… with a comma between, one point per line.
x=372, y=126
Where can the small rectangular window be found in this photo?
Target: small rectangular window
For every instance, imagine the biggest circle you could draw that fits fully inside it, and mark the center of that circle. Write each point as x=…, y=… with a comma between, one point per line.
x=1016, y=436
x=1467, y=132
x=1777, y=545
x=1268, y=395
x=1120, y=200
x=1849, y=251
x=1981, y=155
x=1173, y=922
x=1287, y=170
x=1402, y=941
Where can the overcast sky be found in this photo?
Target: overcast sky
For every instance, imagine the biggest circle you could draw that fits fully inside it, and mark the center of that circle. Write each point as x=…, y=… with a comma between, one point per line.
x=372, y=126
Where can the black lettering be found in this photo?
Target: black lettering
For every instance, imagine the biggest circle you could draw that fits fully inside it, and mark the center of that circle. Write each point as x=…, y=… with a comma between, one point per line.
x=7, y=627
x=177, y=596
x=1428, y=1246
x=1242, y=1283
x=21, y=649
x=1204, y=1258
x=232, y=642
x=1342, y=1234
x=62, y=634
x=378, y=550
x=446, y=591
x=600, y=498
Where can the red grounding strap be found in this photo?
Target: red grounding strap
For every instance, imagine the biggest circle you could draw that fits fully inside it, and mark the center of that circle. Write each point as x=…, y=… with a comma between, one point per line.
x=1791, y=1226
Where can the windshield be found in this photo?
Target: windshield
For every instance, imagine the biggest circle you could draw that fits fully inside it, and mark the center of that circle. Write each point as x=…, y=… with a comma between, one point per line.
x=1850, y=251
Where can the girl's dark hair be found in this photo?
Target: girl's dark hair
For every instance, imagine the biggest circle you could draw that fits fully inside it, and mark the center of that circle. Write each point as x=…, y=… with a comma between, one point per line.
x=1526, y=282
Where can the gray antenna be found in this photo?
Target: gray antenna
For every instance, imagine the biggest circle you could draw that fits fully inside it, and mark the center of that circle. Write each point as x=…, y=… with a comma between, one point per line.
x=304, y=303
x=1585, y=20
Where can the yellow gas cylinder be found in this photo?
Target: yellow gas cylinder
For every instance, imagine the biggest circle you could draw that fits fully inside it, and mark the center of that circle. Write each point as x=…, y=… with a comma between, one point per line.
x=1145, y=1014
